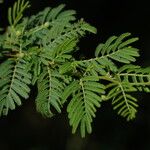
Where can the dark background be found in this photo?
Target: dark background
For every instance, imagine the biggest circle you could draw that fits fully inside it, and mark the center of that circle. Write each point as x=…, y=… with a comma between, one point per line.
x=25, y=129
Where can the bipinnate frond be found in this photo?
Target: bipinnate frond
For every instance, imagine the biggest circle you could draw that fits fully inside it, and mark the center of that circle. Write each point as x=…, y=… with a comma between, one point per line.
x=14, y=84
x=115, y=49
x=50, y=88
x=86, y=98
x=118, y=49
x=122, y=101
x=136, y=76
x=130, y=78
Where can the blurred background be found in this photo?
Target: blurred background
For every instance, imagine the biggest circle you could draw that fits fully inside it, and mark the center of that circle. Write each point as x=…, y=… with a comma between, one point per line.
x=25, y=129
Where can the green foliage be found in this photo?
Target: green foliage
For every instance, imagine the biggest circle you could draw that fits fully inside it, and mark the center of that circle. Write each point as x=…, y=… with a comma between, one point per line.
x=15, y=13
x=14, y=81
x=85, y=99
x=50, y=89
x=39, y=51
